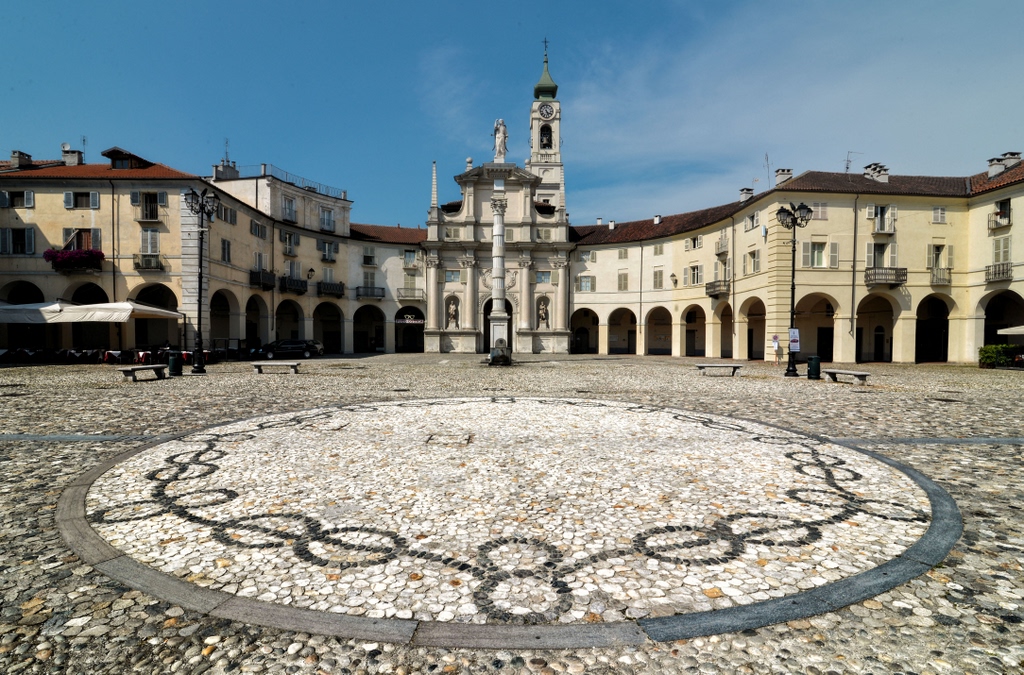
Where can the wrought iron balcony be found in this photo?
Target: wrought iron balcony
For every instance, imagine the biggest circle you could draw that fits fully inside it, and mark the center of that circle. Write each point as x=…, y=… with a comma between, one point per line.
x=412, y=294
x=337, y=289
x=894, y=276
x=717, y=288
x=263, y=279
x=942, y=276
x=999, y=272
x=148, y=261
x=883, y=228
x=369, y=292
x=147, y=213
x=998, y=219
x=297, y=286
x=722, y=245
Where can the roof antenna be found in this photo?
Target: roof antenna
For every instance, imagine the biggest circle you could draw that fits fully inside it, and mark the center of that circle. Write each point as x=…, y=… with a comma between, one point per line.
x=849, y=159
x=768, y=169
x=84, y=140
x=226, y=158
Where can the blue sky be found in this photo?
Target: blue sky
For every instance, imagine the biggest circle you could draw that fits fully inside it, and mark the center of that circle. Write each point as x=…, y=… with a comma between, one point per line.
x=668, y=106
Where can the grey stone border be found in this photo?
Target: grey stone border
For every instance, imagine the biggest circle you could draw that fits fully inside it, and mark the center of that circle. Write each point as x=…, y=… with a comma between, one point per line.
x=930, y=550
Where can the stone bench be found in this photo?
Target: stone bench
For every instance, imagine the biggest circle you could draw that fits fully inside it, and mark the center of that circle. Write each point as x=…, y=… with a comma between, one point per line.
x=132, y=371
x=258, y=366
x=862, y=377
x=702, y=367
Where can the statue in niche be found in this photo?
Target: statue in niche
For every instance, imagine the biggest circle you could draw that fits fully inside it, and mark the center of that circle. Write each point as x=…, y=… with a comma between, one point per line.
x=542, y=314
x=453, y=314
x=500, y=140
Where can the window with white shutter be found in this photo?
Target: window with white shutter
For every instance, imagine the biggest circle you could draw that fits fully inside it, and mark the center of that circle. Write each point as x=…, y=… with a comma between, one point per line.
x=805, y=251
x=819, y=210
x=938, y=214
x=150, y=241
x=833, y=254
x=892, y=255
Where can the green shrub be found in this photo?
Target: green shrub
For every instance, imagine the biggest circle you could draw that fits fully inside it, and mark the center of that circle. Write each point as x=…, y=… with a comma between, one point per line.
x=997, y=356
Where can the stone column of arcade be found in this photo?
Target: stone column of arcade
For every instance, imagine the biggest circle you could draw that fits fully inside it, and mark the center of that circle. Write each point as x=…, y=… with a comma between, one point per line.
x=499, y=317
x=525, y=295
x=562, y=297
x=433, y=301
x=468, y=316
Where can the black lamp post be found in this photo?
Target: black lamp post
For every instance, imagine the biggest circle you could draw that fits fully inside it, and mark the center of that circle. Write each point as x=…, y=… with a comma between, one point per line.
x=792, y=218
x=203, y=205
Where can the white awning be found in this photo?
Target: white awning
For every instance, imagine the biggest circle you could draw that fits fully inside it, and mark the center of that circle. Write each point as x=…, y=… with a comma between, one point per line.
x=1015, y=330
x=64, y=312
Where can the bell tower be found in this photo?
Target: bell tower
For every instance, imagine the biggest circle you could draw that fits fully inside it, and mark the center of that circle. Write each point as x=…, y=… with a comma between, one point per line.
x=546, y=140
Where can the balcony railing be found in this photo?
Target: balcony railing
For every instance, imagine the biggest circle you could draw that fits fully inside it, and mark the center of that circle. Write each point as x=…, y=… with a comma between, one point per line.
x=263, y=279
x=884, y=228
x=412, y=294
x=999, y=272
x=722, y=246
x=894, y=276
x=291, y=285
x=942, y=276
x=717, y=288
x=998, y=219
x=288, y=214
x=409, y=264
x=147, y=261
x=335, y=288
x=369, y=292
x=147, y=213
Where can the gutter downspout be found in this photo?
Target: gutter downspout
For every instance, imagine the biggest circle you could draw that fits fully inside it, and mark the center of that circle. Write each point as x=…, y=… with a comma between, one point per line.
x=113, y=255
x=732, y=280
x=853, y=280
x=640, y=285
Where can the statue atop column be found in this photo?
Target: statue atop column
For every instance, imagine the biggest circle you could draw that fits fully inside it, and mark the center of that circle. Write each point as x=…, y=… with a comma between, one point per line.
x=500, y=141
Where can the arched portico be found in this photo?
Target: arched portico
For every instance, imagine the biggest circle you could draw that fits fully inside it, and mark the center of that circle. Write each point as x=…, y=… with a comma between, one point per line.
x=658, y=333
x=622, y=332
x=1003, y=309
x=368, y=330
x=695, y=332
x=409, y=322
x=584, y=325
x=328, y=327
x=154, y=333
x=257, y=322
x=720, y=332
x=815, y=318
x=875, y=322
x=91, y=334
x=750, y=330
x=932, y=335
x=226, y=321
x=288, y=320
x=25, y=335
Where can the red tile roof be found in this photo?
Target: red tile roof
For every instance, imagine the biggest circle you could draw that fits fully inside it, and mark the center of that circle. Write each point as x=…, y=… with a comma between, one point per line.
x=825, y=181
x=96, y=172
x=388, y=235
x=642, y=230
x=982, y=183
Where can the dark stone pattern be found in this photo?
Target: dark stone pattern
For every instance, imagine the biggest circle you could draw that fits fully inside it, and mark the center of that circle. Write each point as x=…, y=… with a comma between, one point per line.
x=368, y=546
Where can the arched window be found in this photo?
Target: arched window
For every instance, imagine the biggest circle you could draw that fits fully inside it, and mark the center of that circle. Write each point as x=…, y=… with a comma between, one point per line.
x=545, y=137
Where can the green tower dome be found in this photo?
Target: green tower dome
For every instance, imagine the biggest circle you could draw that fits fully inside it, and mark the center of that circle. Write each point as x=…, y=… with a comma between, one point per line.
x=546, y=87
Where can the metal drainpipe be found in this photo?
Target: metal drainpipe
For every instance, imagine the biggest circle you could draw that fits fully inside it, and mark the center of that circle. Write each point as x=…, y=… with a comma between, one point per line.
x=732, y=279
x=853, y=280
x=640, y=285
x=113, y=266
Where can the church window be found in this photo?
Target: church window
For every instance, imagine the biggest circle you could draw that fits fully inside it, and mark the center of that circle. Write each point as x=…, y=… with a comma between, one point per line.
x=542, y=277
x=451, y=275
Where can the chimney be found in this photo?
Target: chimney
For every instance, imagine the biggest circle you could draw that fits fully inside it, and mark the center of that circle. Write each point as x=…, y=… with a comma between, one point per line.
x=995, y=167
x=71, y=157
x=657, y=220
x=1010, y=159
x=225, y=170
x=877, y=172
x=611, y=224
x=782, y=175
x=600, y=221
x=20, y=160
x=747, y=193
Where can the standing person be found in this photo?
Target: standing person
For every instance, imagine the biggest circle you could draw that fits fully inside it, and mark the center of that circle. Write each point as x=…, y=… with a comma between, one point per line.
x=777, y=349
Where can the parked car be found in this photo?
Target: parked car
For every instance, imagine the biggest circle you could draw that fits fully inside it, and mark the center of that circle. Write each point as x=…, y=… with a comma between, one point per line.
x=303, y=348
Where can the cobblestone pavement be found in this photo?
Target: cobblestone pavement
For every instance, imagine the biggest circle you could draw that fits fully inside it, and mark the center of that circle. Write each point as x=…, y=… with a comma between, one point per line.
x=960, y=426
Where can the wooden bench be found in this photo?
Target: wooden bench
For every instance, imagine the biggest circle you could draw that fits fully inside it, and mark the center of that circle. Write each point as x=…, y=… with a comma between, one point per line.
x=862, y=377
x=702, y=367
x=132, y=371
x=258, y=366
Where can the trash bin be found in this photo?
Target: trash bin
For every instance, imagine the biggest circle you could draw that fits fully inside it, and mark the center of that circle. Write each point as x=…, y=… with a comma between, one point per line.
x=813, y=367
x=174, y=364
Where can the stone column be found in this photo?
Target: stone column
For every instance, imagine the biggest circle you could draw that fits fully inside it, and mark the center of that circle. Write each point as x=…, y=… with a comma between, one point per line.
x=713, y=335
x=562, y=297
x=306, y=324
x=904, y=338
x=433, y=301
x=602, y=339
x=471, y=299
x=526, y=319
x=499, y=317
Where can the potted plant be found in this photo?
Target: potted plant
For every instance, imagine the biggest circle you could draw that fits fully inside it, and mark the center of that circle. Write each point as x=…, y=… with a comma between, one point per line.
x=74, y=259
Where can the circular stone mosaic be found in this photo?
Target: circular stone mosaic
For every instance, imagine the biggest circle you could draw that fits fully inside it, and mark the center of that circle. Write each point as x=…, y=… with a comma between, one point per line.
x=507, y=510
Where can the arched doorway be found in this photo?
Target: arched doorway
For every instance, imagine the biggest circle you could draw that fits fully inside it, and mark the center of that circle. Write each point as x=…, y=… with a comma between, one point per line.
x=659, y=332
x=327, y=327
x=155, y=333
x=256, y=314
x=409, y=322
x=815, y=317
x=90, y=334
x=724, y=313
x=486, y=346
x=874, y=329
x=222, y=305
x=695, y=322
x=622, y=332
x=754, y=312
x=25, y=335
x=1003, y=310
x=288, y=321
x=368, y=330
x=584, y=326
x=932, y=334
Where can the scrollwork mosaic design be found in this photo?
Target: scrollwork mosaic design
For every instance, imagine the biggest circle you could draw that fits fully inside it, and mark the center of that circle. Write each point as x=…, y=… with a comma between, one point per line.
x=364, y=546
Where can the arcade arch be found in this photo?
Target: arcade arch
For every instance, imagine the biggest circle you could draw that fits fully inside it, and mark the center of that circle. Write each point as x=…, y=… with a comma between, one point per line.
x=659, y=331
x=875, y=321
x=368, y=330
x=694, y=336
x=409, y=322
x=288, y=320
x=584, y=326
x=931, y=341
x=622, y=332
x=328, y=320
x=753, y=340
x=156, y=332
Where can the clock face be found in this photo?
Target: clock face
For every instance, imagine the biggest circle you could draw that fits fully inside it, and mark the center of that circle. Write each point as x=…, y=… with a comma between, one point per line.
x=547, y=111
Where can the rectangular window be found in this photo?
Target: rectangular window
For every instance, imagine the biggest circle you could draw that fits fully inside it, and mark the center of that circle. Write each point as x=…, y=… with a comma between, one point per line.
x=659, y=278
x=819, y=210
x=328, y=275
x=18, y=240
x=227, y=214
x=326, y=219
x=257, y=229
x=623, y=253
x=410, y=281
x=544, y=234
x=19, y=199
x=586, y=284
x=817, y=254
x=451, y=275
x=369, y=278
x=659, y=249
x=150, y=243
x=81, y=200
x=623, y=280
x=225, y=250
x=510, y=235
x=291, y=242
x=369, y=256
x=409, y=258
x=259, y=261
x=692, y=243
x=938, y=214
x=288, y=209
x=542, y=277
x=696, y=275
x=1000, y=250
x=588, y=256
x=327, y=249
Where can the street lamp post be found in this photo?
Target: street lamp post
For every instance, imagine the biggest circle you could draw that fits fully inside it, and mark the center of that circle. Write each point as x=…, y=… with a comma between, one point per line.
x=203, y=205
x=792, y=218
